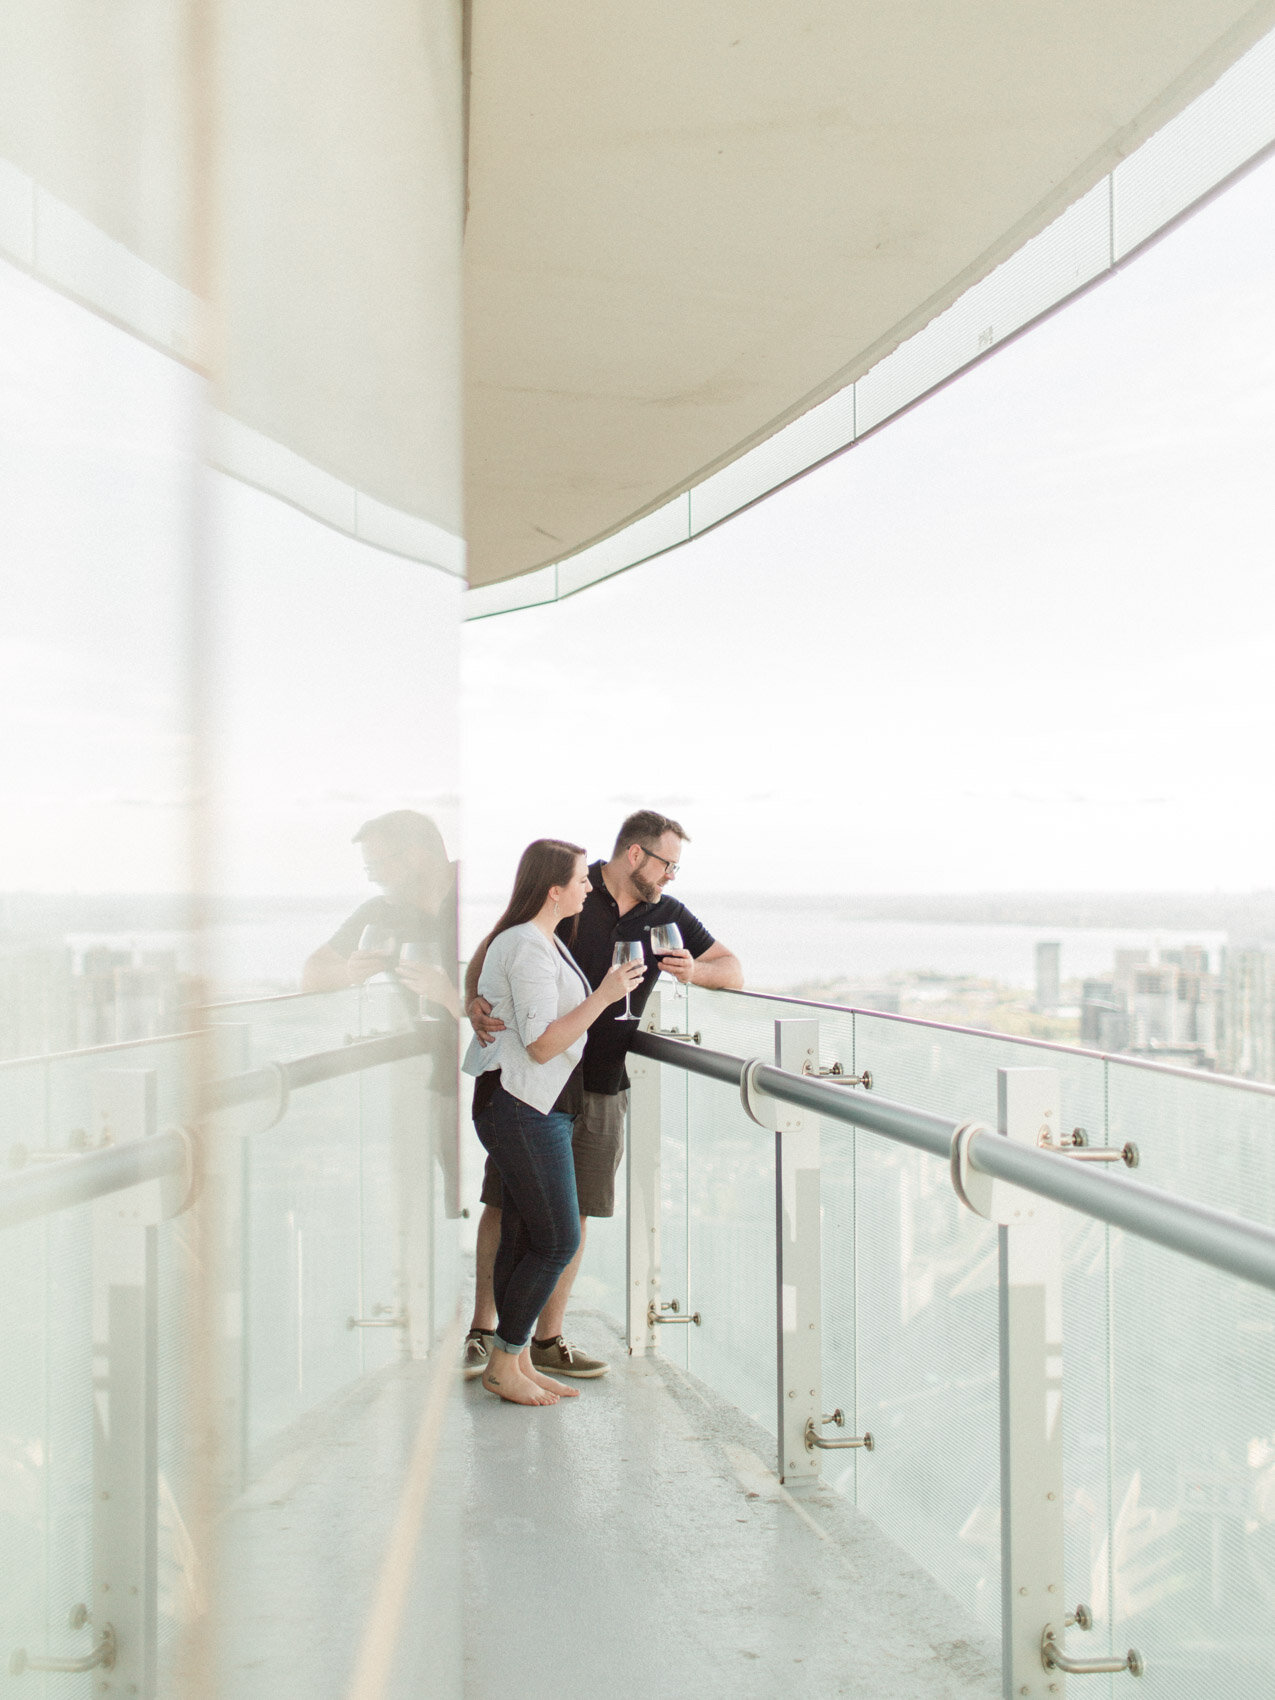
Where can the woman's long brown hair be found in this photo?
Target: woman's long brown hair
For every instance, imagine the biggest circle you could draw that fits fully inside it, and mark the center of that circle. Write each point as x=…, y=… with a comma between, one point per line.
x=544, y=863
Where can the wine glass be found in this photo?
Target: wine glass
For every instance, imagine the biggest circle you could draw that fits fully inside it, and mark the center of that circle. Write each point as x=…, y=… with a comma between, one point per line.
x=412, y=952
x=627, y=950
x=668, y=938
x=380, y=941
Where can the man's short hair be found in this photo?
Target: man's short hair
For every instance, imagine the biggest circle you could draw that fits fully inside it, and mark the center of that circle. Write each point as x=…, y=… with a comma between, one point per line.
x=644, y=826
x=404, y=828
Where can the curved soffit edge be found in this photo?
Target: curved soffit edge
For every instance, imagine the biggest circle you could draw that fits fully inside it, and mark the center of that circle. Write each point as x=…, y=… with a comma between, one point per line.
x=832, y=413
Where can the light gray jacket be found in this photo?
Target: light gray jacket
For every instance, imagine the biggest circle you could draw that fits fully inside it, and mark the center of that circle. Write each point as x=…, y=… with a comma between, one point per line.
x=529, y=983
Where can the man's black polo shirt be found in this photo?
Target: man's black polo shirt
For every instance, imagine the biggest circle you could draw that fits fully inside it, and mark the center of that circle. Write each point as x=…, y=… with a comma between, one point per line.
x=597, y=927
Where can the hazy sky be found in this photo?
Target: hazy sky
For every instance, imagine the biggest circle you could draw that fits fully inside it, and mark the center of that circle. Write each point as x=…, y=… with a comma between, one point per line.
x=331, y=666
x=1022, y=638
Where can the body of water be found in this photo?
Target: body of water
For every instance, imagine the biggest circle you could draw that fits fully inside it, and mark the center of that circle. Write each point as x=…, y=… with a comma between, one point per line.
x=780, y=947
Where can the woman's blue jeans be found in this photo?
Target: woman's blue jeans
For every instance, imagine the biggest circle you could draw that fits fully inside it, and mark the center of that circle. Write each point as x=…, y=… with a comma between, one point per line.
x=539, y=1214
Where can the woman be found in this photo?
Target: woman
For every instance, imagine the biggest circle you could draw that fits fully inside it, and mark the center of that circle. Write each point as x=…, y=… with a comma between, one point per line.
x=547, y=1006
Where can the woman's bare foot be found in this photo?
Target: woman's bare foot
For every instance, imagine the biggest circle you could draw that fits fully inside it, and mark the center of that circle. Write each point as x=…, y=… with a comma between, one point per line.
x=547, y=1382
x=504, y=1377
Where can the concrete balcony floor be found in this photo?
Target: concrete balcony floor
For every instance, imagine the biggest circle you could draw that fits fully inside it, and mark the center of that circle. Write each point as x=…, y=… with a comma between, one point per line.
x=635, y=1542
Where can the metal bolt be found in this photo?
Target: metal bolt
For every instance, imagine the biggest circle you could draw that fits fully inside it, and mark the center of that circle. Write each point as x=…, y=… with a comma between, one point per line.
x=793, y=1394
x=1022, y=1591
x=812, y=1392
x=1051, y=1496
x=1053, y=1588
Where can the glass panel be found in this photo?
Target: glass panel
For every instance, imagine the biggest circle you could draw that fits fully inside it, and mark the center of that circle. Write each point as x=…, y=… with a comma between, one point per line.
x=731, y=1250
x=529, y=591
x=46, y=1437
x=208, y=694
x=910, y=1292
x=96, y=477
x=601, y=1283
x=675, y=1268
x=1193, y=1396
x=1226, y=126
x=651, y=535
x=730, y=1214
x=808, y=440
x=1065, y=255
x=927, y=1270
x=302, y=1267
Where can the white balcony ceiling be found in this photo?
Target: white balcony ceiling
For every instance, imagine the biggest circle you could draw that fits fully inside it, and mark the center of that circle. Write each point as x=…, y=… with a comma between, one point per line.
x=688, y=224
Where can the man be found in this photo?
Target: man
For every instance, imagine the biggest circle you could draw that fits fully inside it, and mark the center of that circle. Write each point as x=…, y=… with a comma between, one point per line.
x=404, y=854
x=628, y=898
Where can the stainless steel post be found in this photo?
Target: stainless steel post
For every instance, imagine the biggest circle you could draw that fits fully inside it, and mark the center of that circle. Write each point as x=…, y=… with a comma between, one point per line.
x=642, y=1256
x=798, y=1264
x=414, y=1096
x=226, y=1187
x=1030, y=1393
x=126, y=1340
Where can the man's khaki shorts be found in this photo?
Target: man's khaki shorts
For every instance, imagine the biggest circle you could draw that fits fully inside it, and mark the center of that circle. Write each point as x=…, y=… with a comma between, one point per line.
x=597, y=1143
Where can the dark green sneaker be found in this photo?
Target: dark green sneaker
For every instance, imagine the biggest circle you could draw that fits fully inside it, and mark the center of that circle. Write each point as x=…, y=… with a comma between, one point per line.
x=559, y=1357
x=477, y=1353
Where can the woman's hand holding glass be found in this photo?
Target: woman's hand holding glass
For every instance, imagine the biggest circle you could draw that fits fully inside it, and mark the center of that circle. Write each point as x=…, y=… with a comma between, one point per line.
x=628, y=965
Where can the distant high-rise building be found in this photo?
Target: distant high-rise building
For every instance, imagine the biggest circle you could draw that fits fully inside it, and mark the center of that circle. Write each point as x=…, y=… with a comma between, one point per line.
x=36, y=997
x=1048, y=975
x=147, y=996
x=1127, y=961
x=1104, y=1017
x=1154, y=1005
x=1193, y=957
x=1247, y=1039
x=1169, y=1009
x=45, y=1007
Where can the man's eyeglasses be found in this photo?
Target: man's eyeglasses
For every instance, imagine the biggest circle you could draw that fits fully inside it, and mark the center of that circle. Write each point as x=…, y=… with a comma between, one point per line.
x=672, y=867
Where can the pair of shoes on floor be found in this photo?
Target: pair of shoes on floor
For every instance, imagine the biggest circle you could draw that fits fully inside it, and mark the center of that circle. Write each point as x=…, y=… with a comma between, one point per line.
x=560, y=1357
x=476, y=1354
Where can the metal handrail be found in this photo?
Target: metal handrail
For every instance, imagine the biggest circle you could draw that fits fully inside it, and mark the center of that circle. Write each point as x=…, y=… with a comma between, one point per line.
x=80, y=1179
x=321, y=1065
x=1230, y=1243
x=1206, y=1077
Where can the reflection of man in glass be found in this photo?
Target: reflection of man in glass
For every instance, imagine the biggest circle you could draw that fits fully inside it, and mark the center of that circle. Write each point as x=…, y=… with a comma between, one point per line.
x=405, y=855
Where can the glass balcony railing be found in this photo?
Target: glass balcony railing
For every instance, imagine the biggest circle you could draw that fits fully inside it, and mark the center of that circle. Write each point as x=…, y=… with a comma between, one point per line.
x=1167, y=1377
x=172, y=1346
x=189, y=1355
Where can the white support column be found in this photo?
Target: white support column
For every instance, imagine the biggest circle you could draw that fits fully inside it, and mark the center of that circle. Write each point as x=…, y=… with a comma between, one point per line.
x=1030, y=1395
x=798, y=1262
x=643, y=1175
x=125, y=1338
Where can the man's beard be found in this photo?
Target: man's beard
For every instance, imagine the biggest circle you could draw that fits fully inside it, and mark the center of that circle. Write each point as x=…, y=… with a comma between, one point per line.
x=648, y=892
